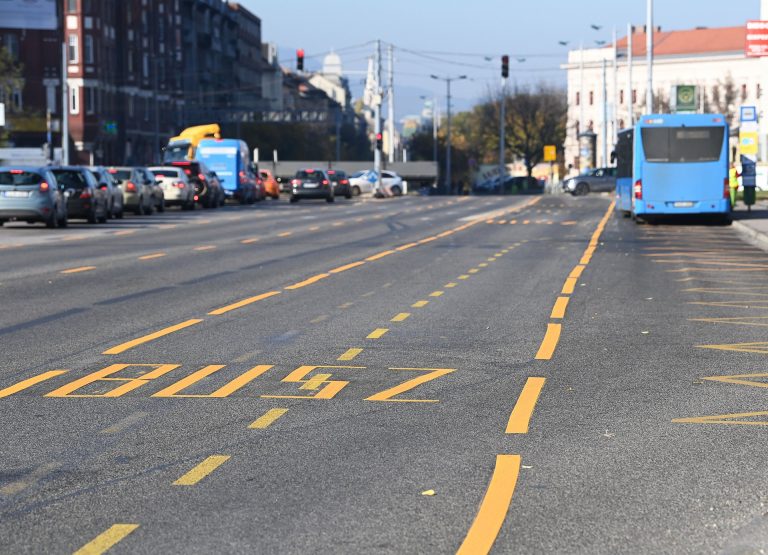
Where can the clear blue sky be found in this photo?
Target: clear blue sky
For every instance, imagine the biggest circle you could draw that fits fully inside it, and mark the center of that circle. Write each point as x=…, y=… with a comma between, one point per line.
x=527, y=29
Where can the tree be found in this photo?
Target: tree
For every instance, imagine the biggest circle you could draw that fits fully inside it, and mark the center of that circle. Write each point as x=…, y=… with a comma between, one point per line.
x=10, y=80
x=724, y=95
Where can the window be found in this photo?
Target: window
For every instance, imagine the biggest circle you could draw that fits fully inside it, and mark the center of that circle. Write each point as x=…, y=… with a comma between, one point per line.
x=621, y=96
x=634, y=96
x=88, y=49
x=11, y=43
x=73, y=54
x=145, y=65
x=90, y=100
x=74, y=99
x=50, y=99
x=591, y=98
x=743, y=92
x=146, y=109
x=578, y=98
x=682, y=144
x=131, y=107
x=16, y=101
x=71, y=6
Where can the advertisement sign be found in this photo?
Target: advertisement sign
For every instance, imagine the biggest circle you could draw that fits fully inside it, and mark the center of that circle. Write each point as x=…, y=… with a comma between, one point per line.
x=748, y=143
x=757, y=38
x=28, y=14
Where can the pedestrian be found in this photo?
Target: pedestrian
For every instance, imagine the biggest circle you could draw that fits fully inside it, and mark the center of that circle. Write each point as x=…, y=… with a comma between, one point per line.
x=733, y=181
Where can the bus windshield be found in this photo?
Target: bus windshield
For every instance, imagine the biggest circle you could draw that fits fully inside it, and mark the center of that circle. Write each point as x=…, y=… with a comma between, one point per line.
x=682, y=144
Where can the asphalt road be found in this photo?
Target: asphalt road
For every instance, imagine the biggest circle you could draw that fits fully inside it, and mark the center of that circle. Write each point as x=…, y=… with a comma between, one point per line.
x=414, y=375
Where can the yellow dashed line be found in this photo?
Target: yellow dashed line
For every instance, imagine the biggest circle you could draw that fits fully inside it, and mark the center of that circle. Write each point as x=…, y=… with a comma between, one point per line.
x=201, y=470
x=267, y=419
x=350, y=354
x=377, y=333
x=436, y=294
x=151, y=256
x=78, y=270
x=401, y=317
x=420, y=304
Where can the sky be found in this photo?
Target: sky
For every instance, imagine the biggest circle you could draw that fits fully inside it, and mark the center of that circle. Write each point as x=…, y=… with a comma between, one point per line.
x=455, y=37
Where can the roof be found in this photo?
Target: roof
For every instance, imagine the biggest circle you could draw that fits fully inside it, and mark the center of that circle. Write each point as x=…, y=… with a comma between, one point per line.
x=691, y=41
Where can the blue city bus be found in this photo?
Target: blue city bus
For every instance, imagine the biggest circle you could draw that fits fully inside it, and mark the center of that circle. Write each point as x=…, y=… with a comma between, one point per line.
x=231, y=161
x=679, y=166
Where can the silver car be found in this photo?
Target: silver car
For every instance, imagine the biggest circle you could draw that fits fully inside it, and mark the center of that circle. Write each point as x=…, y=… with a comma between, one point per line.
x=177, y=188
x=31, y=194
x=599, y=180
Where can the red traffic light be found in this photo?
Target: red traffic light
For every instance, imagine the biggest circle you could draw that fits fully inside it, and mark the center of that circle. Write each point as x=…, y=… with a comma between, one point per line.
x=300, y=59
x=505, y=66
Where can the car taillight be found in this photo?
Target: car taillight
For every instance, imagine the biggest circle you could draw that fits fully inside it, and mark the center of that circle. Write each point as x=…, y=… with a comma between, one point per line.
x=344, y=181
x=86, y=193
x=179, y=185
x=295, y=181
x=187, y=171
x=130, y=187
x=727, y=188
x=17, y=172
x=103, y=187
x=44, y=187
x=638, y=189
x=201, y=177
x=325, y=182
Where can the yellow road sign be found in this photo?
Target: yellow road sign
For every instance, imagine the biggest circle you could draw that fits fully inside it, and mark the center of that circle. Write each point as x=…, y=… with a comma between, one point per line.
x=550, y=153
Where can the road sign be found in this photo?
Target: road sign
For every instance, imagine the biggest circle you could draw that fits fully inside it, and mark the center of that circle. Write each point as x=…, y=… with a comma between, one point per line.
x=757, y=38
x=748, y=113
x=2, y=114
x=550, y=153
x=684, y=99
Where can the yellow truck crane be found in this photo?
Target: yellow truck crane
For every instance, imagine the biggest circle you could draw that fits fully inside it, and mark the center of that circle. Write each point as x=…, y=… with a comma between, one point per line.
x=184, y=145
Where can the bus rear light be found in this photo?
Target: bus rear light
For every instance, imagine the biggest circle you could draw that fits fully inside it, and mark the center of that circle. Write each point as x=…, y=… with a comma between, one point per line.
x=638, y=189
x=130, y=187
x=44, y=187
x=727, y=188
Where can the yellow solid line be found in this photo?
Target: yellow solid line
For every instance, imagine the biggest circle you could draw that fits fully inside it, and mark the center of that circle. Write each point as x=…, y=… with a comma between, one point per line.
x=309, y=281
x=29, y=382
x=558, y=311
x=151, y=256
x=520, y=418
x=569, y=286
x=436, y=293
x=266, y=419
x=380, y=255
x=104, y=541
x=420, y=304
x=401, y=317
x=78, y=270
x=350, y=354
x=116, y=350
x=378, y=332
x=577, y=271
x=549, y=343
x=201, y=470
x=244, y=302
x=493, y=510
x=347, y=267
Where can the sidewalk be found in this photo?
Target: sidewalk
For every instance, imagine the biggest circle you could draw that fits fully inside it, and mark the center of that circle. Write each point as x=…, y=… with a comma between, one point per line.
x=753, y=226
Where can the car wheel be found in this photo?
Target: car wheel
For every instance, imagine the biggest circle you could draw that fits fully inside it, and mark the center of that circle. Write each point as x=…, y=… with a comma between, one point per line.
x=102, y=219
x=147, y=209
x=348, y=196
x=293, y=200
x=356, y=191
x=92, y=216
x=330, y=199
x=52, y=221
x=119, y=215
x=63, y=220
x=161, y=206
x=581, y=190
x=396, y=191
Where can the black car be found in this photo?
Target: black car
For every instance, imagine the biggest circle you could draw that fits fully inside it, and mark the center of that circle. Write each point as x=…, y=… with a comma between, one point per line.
x=84, y=197
x=340, y=182
x=311, y=183
x=208, y=191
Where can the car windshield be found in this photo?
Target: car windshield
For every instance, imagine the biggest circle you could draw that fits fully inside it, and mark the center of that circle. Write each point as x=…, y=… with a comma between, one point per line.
x=309, y=175
x=121, y=175
x=165, y=173
x=337, y=176
x=19, y=177
x=71, y=179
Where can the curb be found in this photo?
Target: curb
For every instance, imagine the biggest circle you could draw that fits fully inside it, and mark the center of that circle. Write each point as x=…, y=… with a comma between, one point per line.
x=751, y=235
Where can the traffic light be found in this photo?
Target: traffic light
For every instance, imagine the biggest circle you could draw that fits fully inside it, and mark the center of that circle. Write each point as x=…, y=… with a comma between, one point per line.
x=379, y=141
x=300, y=59
x=505, y=66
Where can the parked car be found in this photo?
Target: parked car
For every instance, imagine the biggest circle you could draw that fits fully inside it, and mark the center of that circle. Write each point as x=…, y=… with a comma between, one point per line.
x=363, y=182
x=84, y=197
x=158, y=196
x=116, y=197
x=31, y=194
x=522, y=184
x=340, y=182
x=271, y=185
x=209, y=192
x=176, y=186
x=216, y=185
x=393, y=184
x=311, y=183
x=597, y=180
x=136, y=187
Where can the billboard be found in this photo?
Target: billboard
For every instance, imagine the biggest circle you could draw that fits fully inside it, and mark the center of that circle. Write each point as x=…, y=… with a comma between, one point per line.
x=28, y=14
x=757, y=38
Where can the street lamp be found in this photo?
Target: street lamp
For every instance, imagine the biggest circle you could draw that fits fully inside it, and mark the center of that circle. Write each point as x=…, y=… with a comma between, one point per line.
x=434, y=125
x=448, y=128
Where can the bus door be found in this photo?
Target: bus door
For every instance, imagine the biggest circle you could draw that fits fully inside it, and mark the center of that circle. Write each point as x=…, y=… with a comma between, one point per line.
x=624, y=163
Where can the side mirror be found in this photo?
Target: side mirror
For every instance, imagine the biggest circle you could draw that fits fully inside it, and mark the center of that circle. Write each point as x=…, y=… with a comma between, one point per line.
x=613, y=157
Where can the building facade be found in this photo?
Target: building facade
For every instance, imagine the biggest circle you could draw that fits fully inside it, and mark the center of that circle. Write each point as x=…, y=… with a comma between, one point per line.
x=602, y=98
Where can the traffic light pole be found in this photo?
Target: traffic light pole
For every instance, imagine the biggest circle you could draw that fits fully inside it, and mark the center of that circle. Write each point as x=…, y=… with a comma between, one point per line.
x=377, y=118
x=503, y=130
x=448, y=127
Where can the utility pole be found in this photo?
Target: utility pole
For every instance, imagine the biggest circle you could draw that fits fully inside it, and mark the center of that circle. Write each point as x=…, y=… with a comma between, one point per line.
x=649, y=56
x=448, y=128
x=605, y=115
x=391, y=105
x=629, y=77
x=503, y=118
x=377, y=116
x=581, y=88
x=434, y=129
x=64, y=108
x=615, y=111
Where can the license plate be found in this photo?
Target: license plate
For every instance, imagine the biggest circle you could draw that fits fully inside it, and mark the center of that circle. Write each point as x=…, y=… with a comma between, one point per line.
x=685, y=204
x=310, y=185
x=16, y=194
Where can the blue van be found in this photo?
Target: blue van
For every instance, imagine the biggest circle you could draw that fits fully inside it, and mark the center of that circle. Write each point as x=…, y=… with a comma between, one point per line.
x=231, y=161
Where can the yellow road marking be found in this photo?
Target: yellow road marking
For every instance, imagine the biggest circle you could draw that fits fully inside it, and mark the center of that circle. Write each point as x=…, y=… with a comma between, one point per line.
x=249, y=241
x=151, y=256
x=526, y=222
x=205, y=248
x=337, y=224
x=494, y=507
x=436, y=293
x=309, y=281
x=78, y=270
x=401, y=317
x=29, y=382
x=116, y=350
x=738, y=321
x=244, y=302
x=346, y=305
x=377, y=333
x=201, y=470
x=558, y=311
x=420, y=304
x=549, y=343
x=740, y=379
x=569, y=286
x=108, y=375
x=315, y=381
x=473, y=271
x=285, y=234
x=224, y=391
x=350, y=354
x=347, y=267
x=521, y=415
x=577, y=271
x=267, y=419
x=512, y=222
x=450, y=285
x=483, y=265
x=406, y=247
x=125, y=232
x=379, y=255
x=431, y=374
x=725, y=419
x=314, y=228
x=319, y=319
x=463, y=276
x=492, y=259
x=104, y=541
x=760, y=347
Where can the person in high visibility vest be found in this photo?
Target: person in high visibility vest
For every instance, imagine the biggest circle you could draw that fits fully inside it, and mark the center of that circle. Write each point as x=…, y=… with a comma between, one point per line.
x=733, y=181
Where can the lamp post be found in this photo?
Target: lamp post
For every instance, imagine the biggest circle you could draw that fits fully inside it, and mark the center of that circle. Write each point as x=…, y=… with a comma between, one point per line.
x=434, y=125
x=448, y=128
